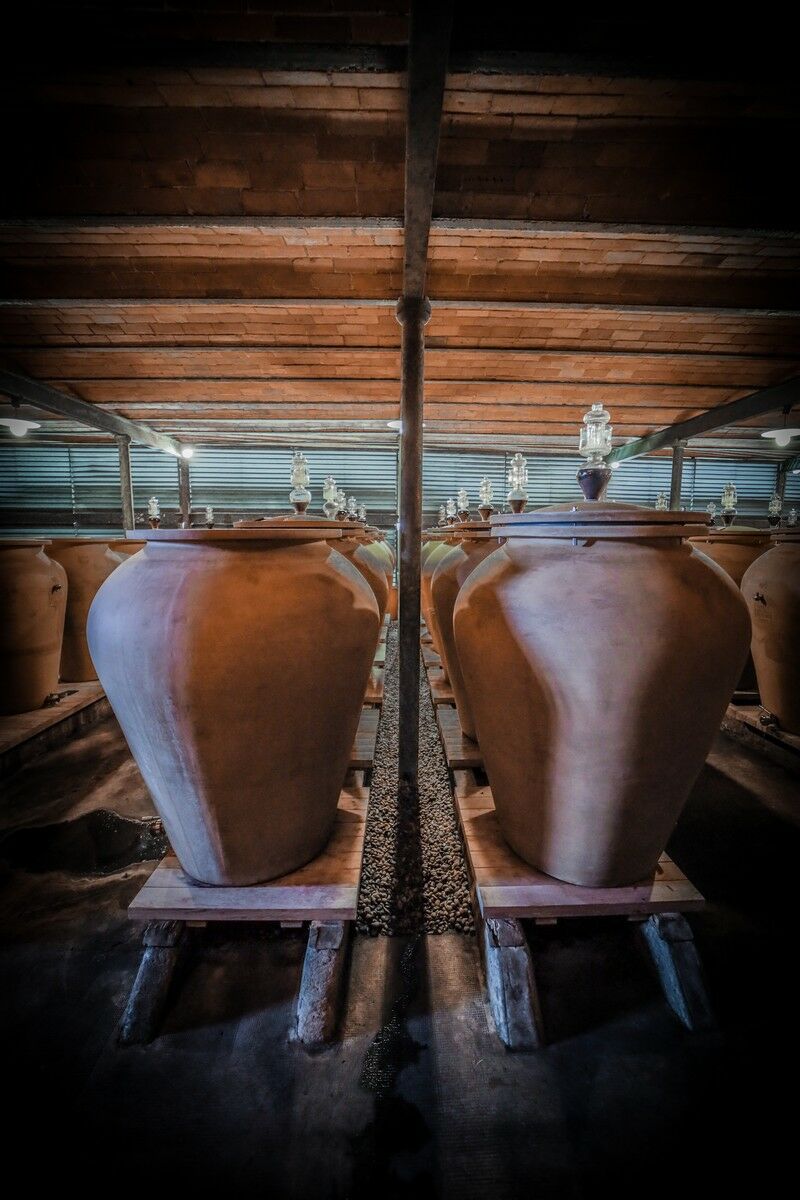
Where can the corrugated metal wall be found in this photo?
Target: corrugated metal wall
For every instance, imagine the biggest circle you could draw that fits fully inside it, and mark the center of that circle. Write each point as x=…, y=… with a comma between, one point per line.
x=47, y=488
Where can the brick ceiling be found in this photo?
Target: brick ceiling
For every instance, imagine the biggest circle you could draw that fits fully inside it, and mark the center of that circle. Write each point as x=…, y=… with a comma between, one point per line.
x=215, y=247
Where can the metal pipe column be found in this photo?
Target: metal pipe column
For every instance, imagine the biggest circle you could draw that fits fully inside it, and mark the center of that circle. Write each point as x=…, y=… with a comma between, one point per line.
x=413, y=314
x=677, y=475
x=126, y=481
x=184, y=493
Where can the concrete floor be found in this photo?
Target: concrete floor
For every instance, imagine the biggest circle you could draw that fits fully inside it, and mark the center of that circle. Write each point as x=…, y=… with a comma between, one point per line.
x=418, y=1098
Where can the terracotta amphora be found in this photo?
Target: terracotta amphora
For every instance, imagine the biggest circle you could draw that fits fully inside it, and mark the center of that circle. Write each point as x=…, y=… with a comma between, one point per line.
x=474, y=545
x=771, y=588
x=88, y=562
x=599, y=650
x=236, y=661
x=126, y=547
x=735, y=547
x=33, y=601
x=439, y=548
x=351, y=540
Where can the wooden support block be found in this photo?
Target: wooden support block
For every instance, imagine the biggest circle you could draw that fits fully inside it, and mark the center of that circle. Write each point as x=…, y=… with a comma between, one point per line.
x=745, y=723
x=374, y=693
x=440, y=685
x=380, y=655
x=429, y=656
x=322, y=985
x=165, y=944
x=510, y=984
x=672, y=948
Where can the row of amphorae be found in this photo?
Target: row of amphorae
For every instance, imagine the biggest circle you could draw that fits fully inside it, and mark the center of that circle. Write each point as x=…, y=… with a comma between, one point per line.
x=236, y=661
x=592, y=650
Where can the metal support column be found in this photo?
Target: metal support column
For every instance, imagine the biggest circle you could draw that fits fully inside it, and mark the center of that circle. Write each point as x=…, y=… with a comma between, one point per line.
x=126, y=481
x=677, y=475
x=780, y=478
x=184, y=493
x=412, y=313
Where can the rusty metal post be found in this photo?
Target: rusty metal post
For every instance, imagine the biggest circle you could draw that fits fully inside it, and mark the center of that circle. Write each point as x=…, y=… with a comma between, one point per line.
x=412, y=313
x=126, y=481
x=184, y=492
x=677, y=475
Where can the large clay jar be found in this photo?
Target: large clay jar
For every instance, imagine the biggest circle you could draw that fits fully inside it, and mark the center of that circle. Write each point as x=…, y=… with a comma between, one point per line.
x=439, y=549
x=127, y=548
x=33, y=600
x=351, y=541
x=236, y=662
x=451, y=573
x=599, y=650
x=88, y=563
x=771, y=588
x=735, y=547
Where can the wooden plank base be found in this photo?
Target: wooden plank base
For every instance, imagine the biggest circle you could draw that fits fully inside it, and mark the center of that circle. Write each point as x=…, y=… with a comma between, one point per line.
x=324, y=892
x=744, y=723
x=459, y=750
x=441, y=688
x=24, y=736
x=507, y=890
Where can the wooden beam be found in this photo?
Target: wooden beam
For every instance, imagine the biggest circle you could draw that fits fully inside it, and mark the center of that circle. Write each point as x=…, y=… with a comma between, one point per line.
x=765, y=400
x=40, y=395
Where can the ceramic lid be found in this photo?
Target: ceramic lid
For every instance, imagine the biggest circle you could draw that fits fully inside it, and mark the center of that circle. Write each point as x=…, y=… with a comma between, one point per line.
x=737, y=535
x=473, y=530
x=309, y=532
x=19, y=543
x=84, y=541
x=599, y=519
x=311, y=523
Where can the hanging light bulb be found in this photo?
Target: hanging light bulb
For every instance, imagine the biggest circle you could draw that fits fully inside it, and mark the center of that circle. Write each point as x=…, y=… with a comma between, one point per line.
x=18, y=426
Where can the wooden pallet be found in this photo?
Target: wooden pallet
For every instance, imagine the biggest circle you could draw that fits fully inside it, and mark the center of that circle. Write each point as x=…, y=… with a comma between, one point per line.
x=441, y=688
x=323, y=892
x=507, y=890
x=744, y=723
x=460, y=751
x=23, y=736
